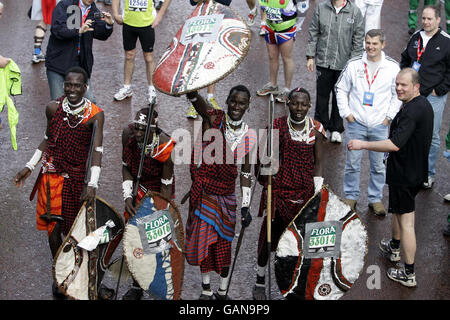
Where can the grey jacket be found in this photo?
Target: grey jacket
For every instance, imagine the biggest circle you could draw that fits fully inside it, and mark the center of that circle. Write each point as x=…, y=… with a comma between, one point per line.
x=335, y=38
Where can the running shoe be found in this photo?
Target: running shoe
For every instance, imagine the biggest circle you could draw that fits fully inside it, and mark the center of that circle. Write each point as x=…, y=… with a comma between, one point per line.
x=262, y=31
x=283, y=96
x=252, y=16
x=123, y=94
x=37, y=58
x=213, y=103
x=400, y=275
x=267, y=89
x=392, y=254
x=192, y=113
x=152, y=95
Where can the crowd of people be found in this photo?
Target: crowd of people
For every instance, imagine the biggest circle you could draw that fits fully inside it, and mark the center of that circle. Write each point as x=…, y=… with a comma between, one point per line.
x=393, y=109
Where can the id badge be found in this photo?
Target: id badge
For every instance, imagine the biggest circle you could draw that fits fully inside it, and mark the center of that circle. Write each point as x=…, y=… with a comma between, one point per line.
x=368, y=99
x=416, y=66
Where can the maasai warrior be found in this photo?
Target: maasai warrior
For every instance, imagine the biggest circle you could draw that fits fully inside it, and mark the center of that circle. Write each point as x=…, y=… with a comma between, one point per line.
x=157, y=170
x=212, y=209
x=299, y=175
x=64, y=152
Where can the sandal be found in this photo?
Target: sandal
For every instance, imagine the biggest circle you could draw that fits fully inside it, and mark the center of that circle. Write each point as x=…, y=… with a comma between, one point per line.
x=259, y=293
x=57, y=293
x=134, y=293
x=105, y=293
x=221, y=296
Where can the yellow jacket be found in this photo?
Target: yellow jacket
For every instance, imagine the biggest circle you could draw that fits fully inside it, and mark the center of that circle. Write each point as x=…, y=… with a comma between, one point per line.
x=10, y=85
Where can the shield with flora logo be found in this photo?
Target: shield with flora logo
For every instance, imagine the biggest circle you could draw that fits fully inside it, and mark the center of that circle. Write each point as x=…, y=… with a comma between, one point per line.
x=322, y=252
x=210, y=44
x=153, y=244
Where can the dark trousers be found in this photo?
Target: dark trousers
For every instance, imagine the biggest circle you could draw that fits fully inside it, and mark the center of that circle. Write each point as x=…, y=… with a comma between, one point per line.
x=326, y=79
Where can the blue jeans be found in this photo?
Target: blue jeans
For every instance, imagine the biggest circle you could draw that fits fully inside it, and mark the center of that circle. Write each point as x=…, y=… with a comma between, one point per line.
x=56, y=83
x=438, y=104
x=352, y=169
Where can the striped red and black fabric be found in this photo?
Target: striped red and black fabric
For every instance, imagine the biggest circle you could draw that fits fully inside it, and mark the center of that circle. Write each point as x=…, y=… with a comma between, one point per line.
x=214, y=178
x=68, y=149
x=151, y=170
x=292, y=186
x=210, y=231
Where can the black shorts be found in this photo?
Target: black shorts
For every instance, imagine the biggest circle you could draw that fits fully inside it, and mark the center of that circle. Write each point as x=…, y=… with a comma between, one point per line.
x=146, y=37
x=402, y=199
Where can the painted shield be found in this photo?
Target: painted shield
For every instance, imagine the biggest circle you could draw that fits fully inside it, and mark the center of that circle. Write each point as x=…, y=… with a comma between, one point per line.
x=153, y=245
x=322, y=251
x=77, y=271
x=210, y=45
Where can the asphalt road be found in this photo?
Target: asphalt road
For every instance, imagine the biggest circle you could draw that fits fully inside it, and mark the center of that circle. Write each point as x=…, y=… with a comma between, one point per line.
x=25, y=260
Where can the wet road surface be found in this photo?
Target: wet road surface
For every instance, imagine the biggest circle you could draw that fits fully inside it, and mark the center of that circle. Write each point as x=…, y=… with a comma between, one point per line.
x=25, y=260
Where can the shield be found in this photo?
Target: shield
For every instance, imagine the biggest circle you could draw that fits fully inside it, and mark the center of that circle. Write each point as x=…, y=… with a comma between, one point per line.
x=77, y=271
x=212, y=42
x=153, y=245
x=322, y=251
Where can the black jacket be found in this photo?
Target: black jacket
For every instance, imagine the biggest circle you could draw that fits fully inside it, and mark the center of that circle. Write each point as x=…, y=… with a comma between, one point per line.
x=62, y=48
x=435, y=62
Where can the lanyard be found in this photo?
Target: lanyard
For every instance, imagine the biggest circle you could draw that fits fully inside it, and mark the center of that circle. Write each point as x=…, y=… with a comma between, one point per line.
x=367, y=75
x=83, y=20
x=419, y=53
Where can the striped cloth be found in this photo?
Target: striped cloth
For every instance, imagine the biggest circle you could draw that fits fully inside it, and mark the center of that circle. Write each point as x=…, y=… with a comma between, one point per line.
x=67, y=152
x=292, y=186
x=210, y=231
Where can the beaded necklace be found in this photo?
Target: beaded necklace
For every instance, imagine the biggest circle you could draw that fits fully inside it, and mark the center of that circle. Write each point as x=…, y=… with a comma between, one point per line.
x=299, y=135
x=77, y=113
x=150, y=148
x=234, y=136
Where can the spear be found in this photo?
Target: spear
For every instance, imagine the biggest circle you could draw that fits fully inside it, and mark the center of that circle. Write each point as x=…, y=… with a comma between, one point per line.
x=269, y=189
x=139, y=175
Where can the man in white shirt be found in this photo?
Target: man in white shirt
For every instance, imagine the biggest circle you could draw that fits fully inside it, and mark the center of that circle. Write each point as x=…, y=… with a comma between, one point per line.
x=366, y=97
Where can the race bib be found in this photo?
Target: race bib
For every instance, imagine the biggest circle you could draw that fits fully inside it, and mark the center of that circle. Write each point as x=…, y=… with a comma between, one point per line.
x=416, y=66
x=274, y=15
x=137, y=5
x=322, y=239
x=368, y=99
x=156, y=231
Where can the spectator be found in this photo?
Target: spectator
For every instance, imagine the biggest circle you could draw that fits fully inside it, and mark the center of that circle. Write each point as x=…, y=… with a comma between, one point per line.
x=371, y=11
x=336, y=34
x=408, y=146
x=139, y=21
x=369, y=103
x=280, y=32
x=428, y=52
x=412, y=13
x=71, y=45
x=41, y=10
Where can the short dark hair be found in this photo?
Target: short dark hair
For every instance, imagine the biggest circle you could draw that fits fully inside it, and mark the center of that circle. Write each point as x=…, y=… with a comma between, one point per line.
x=78, y=70
x=241, y=88
x=436, y=7
x=376, y=33
x=299, y=90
